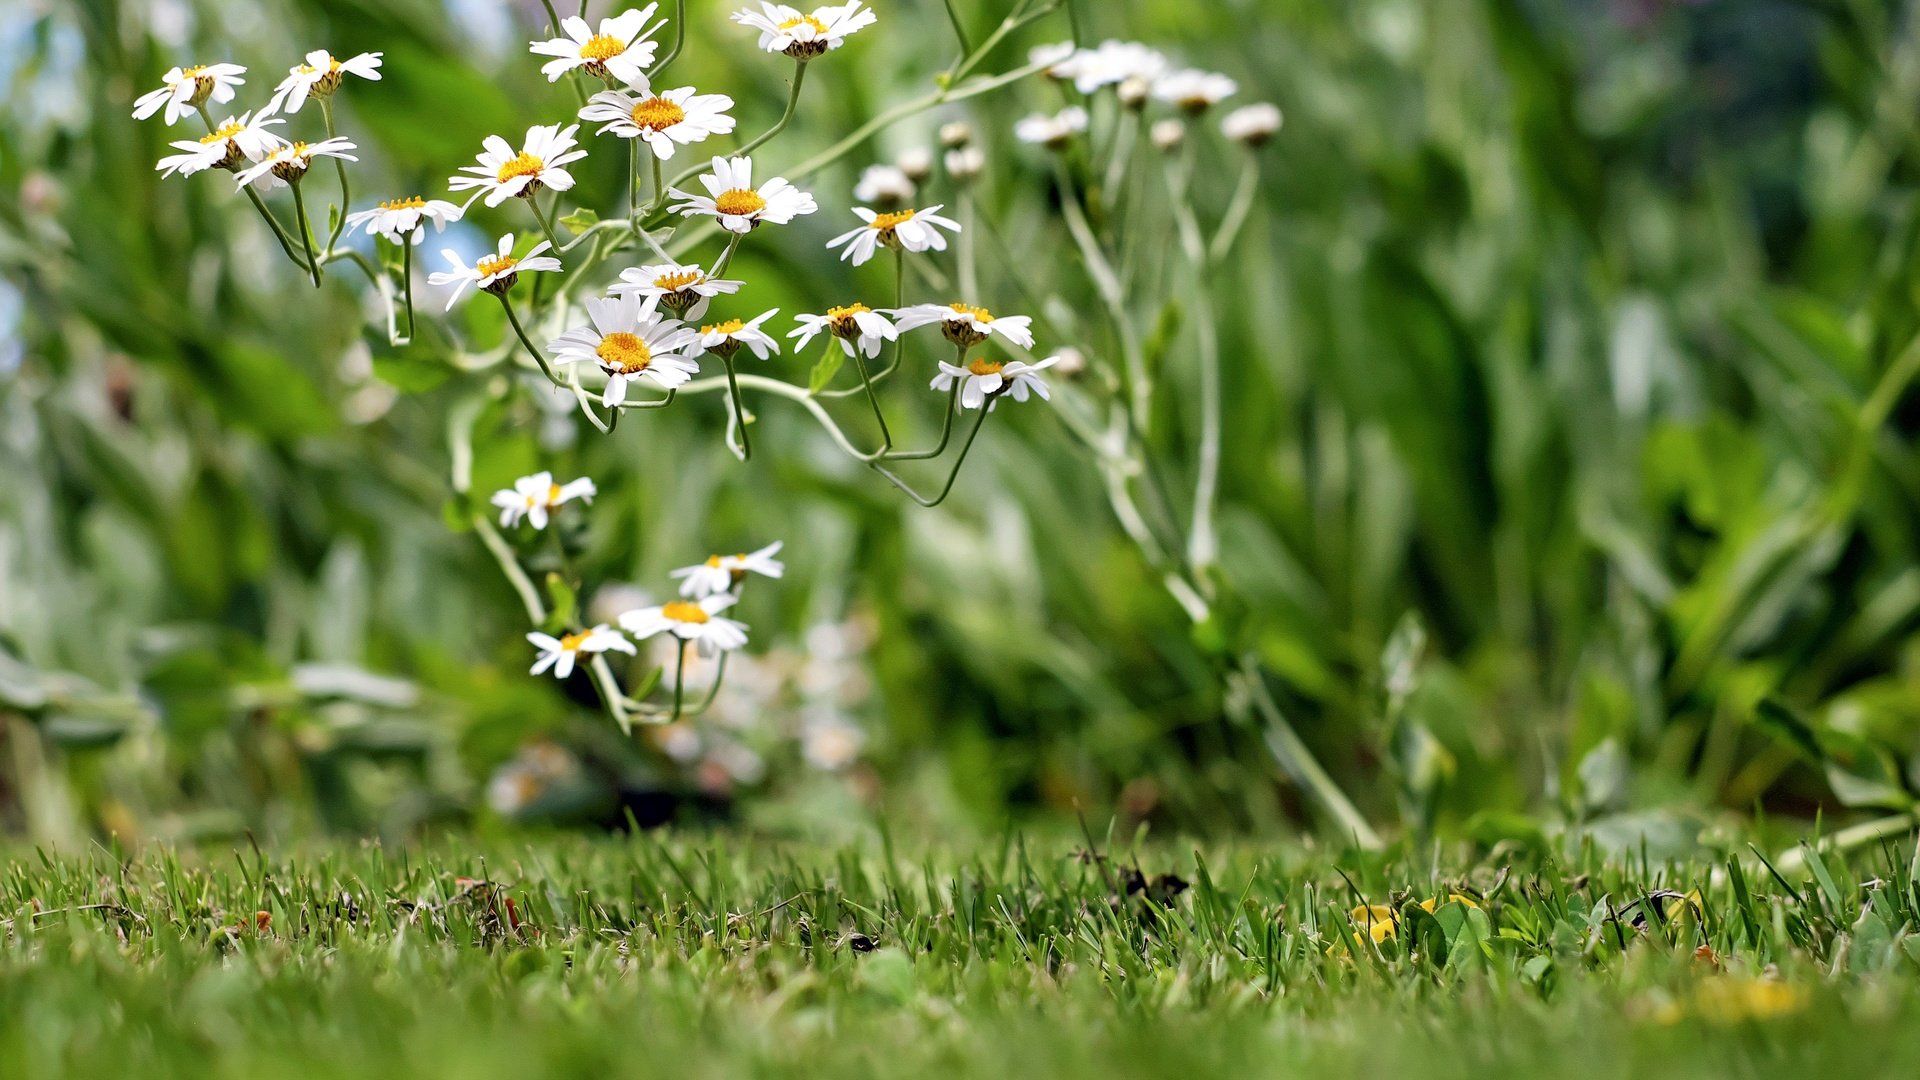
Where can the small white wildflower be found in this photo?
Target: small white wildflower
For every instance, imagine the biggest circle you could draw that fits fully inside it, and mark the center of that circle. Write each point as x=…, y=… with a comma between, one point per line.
x=698, y=621
x=855, y=325
x=965, y=163
x=720, y=573
x=984, y=382
x=561, y=653
x=1252, y=125
x=288, y=163
x=887, y=185
x=955, y=135
x=725, y=338
x=319, y=77
x=534, y=498
x=1056, y=61
x=682, y=288
x=1120, y=64
x=399, y=220
x=665, y=120
x=494, y=273
x=620, y=49
x=804, y=35
x=503, y=173
x=1194, y=91
x=1053, y=132
x=965, y=325
x=628, y=342
x=183, y=89
x=739, y=206
x=916, y=162
x=914, y=230
x=236, y=140
x=1167, y=134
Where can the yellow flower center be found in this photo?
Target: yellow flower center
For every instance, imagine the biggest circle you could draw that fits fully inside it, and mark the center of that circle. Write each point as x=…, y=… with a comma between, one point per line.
x=414, y=203
x=889, y=222
x=193, y=72
x=227, y=131
x=842, y=320
x=740, y=202
x=979, y=314
x=731, y=326
x=494, y=264
x=682, y=611
x=713, y=562
x=805, y=20
x=553, y=494
x=572, y=642
x=623, y=352
x=678, y=280
x=333, y=65
x=985, y=367
x=523, y=164
x=602, y=47
x=657, y=114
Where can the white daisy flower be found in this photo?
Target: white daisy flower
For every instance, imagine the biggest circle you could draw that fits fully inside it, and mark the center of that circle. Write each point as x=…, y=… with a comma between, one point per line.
x=1061, y=59
x=732, y=198
x=888, y=185
x=319, y=77
x=289, y=162
x=801, y=35
x=620, y=50
x=494, y=273
x=184, y=89
x=502, y=173
x=721, y=573
x=916, y=162
x=1053, y=132
x=562, y=653
x=984, y=382
x=681, y=288
x=627, y=341
x=965, y=163
x=698, y=621
x=535, y=497
x=1194, y=91
x=235, y=140
x=1252, y=125
x=663, y=120
x=915, y=230
x=965, y=325
x=398, y=219
x=854, y=324
x=1116, y=63
x=725, y=338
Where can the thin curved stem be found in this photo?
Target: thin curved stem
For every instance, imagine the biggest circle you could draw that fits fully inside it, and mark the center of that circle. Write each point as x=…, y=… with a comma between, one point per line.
x=533, y=203
x=1113, y=294
x=739, y=410
x=406, y=280
x=340, y=168
x=656, y=403
x=873, y=399
x=679, y=39
x=279, y=230
x=786, y=116
x=726, y=257
x=679, y=679
x=947, y=488
x=946, y=433
x=532, y=349
x=306, y=236
x=1202, y=542
x=1237, y=210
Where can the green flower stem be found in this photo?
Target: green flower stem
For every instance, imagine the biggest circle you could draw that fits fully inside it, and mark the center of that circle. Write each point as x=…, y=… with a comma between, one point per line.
x=1015, y=19
x=947, y=488
x=726, y=257
x=659, y=193
x=679, y=680
x=279, y=231
x=546, y=226
x=1112, y=294
x=340, y=168
x=1202, y=541
x=656, y=403
x=786, y=116
x=946, y=432
x=406, y=280
x=1237, y=210
x=306, y=235
x=1292, y=754
x=873, y=399
x=739, y=410
x=633, y=181
x=532, y=349
x=679, y=39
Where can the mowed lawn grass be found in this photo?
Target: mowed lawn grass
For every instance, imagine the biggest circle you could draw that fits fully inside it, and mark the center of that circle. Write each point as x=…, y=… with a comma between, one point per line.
x=712, y=955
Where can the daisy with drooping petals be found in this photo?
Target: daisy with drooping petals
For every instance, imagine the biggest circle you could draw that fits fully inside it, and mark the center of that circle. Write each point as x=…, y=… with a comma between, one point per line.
x=965, y=325
x=1194, y=91
x=725, y=338
x=698, y=621
x=627, y=341
x=1252, y=125
x=184, y=89
x=914, y=230
x=620, y=50
x=562, y=653
x=535, y=497
x=801, y=35
x=682, y=289
x=398, y=219
x=855, y=325
x=721, y=573
x=288, y=163
x=319, y=77
x=1053, y=132
x=541, y=163
x=739, y=206
x=236, y=140
x=494, y=273
x=985, y=382
x=665, y=119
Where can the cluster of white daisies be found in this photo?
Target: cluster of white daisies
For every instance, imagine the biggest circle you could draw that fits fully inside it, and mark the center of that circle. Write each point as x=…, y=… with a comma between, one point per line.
x=1138, y=74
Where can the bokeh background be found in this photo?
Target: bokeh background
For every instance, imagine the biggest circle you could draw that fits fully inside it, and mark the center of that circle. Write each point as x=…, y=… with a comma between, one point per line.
x=1569, y=476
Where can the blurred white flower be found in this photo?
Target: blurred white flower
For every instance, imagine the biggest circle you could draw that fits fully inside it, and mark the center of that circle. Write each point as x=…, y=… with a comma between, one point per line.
x=803, y=35
x=741, y=763
x=663, y=120
x=683, y=288
x=629, y=342
x=183, y=89
x=289, y=162
x=1253, y=124
x=965, y=325
x=1194, y=91
x=829, y=742
x=494, y=273
x=561, y=653
x=535, y=497
x=916, y=162
x=698, y=621
x=955, y=135
x=965, y=163
x=503, y=173
x=854, y=325
x=1117, y=63
x=1053, y=132
x=725, y=338
x=235, y=140
x=1167, y=134
x=984, y=382
x=886, y=184
x=914, y=230
x=319, y=77
x=722, y=572
x=620, y=49
x=399, y=219
x=739, y=206
x=679, y=742
x=1057, y=60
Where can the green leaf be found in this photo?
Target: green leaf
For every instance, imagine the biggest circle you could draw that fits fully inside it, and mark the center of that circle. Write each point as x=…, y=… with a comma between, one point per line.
x=824, y=371
x=566, y=604
x=580, y=220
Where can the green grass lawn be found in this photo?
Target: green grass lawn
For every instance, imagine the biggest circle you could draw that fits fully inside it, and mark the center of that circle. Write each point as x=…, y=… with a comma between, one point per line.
x=717, y=956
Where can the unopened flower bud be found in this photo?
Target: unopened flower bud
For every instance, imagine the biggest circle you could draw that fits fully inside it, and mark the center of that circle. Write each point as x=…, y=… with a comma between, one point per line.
x=1133, y=92
x=1169, y=134
x=1252, y=125
x=956, y=135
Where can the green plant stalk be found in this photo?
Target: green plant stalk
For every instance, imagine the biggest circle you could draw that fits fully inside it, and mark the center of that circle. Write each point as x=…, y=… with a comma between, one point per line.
x=1292, y=754
x=739, y=410
x=1203, y=546
x=532, y=349
x=546, y=226
x=873, y=399
x=946, y=432
x=947, y=488
x=679, y=39
x=406, y=280
x=340, y=169
x=306, y=235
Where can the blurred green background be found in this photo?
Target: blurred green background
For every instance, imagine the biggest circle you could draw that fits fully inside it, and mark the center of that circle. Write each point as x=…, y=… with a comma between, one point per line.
x=1569, y=474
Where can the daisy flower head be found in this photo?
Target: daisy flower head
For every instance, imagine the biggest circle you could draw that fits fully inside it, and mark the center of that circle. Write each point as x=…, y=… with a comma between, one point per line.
x=289, y=162
x=1060, y=60
x=399, y=219
x=319, y=77
x=562, y=653
x=888, y=185
x=1252, y=125
x=503, y=172
x=914, y=230
x=620, y=50
x=916, y=162
x=1053, y=132
x=184, y=89
x=720, y=573
x=805, y=35
x=732, y=198
x=534, y=498
x=1128, y=65
x=855, y=325
x=627, y=341
x=683, y=289
x=966, y=326
x=236, y=140
x=1193, y=91
x=664, y=120
x=698, y=621
x=494, y=273
x=985, y=382
x=723, y=339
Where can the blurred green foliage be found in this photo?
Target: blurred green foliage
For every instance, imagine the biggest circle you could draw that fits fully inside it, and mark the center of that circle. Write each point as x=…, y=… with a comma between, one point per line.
x=1569, y=462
